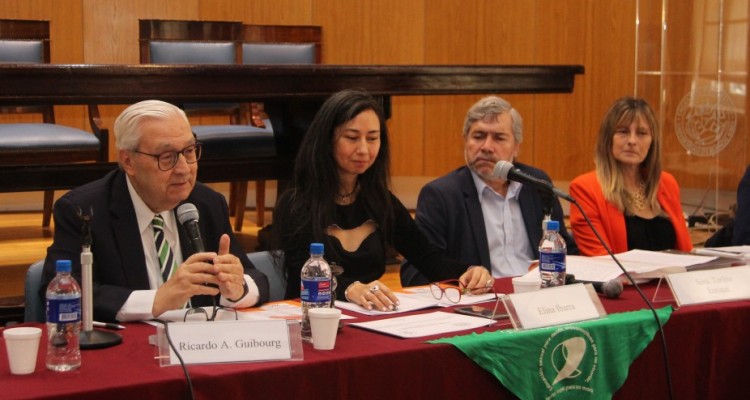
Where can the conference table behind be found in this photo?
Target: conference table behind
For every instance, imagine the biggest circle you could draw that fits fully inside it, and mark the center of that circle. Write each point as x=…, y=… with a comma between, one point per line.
x=707, y=350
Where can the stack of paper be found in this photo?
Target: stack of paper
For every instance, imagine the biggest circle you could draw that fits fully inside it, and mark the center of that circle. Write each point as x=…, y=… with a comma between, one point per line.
x=640, y=264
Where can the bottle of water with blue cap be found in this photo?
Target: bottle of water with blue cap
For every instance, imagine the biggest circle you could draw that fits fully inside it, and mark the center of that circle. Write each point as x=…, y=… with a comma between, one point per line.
x=552, y=252
x=315, y=286
x=63, y=320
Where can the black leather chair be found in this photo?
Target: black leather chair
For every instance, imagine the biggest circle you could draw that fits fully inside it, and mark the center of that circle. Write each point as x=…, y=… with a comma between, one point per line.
x=271, y=44
x=26, y=41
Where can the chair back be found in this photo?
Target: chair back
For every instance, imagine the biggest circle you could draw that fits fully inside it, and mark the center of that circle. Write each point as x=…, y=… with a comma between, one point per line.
x=35, y=309
x=281, y=44
x=193, y=42
x=264, y=262
x=189, y=42
x=25, y=42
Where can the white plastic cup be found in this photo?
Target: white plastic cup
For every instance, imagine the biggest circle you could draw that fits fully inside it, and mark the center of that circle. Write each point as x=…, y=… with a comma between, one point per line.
x=324, y=323
x=22, y=344
x=523, y=284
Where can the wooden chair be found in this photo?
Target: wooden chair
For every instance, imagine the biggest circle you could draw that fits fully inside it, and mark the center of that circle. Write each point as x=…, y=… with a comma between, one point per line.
x=208, y=42
x=271, y=44
x=26, y=41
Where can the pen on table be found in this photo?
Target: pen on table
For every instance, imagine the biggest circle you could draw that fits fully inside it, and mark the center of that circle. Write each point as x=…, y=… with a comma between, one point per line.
x=718, y=253
x=108, y=325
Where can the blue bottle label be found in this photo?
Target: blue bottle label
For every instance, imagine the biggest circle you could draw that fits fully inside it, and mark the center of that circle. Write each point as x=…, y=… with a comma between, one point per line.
x=64, y=310
x=315, y=290
x=552, y=262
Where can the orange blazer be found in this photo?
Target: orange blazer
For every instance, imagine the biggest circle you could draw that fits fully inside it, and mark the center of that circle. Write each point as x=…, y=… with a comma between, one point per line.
x=610, y=222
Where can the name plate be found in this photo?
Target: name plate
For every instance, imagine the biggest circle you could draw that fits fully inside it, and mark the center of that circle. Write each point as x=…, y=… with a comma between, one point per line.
x=553, y=306
x=208, y=342
x=710, y=286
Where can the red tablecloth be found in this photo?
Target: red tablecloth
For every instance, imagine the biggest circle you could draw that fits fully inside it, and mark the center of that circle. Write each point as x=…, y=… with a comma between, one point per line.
x=707, y=353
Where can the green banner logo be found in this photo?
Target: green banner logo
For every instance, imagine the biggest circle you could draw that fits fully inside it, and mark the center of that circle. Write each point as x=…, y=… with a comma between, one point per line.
x=568, y=361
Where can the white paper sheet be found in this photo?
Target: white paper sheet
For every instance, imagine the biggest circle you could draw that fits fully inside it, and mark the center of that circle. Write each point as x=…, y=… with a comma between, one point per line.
x=646, y=261
x=406, y=303
x=419, y=325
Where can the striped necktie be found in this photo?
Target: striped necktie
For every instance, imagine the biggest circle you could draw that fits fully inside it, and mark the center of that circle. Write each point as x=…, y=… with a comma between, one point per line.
x=166, y=259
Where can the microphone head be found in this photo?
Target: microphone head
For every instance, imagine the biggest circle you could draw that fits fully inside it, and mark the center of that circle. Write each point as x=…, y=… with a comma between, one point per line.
x=502, y=168
x=187, y=212
x=612, y=288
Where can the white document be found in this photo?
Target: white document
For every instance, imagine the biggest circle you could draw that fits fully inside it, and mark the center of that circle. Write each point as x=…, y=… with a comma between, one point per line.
x=424, y=293
x=711, y=286
x=406, y=303
x=419, y=325
x=647, y=261
x=591, y=269
x=219, y=341
x=553, y=306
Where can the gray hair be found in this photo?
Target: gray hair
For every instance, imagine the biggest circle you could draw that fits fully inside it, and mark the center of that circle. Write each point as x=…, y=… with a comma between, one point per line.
x=127, y=124
x=488, y=108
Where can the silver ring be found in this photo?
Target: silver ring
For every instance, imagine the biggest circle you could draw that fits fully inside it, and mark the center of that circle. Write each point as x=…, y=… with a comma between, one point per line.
x=374, y=288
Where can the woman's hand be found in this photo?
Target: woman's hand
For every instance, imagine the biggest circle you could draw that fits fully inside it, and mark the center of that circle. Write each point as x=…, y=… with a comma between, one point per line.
x=477, y=279
x=372, y=295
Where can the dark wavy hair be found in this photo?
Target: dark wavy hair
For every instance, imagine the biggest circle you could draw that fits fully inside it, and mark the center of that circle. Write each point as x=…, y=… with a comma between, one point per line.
x=307, y=207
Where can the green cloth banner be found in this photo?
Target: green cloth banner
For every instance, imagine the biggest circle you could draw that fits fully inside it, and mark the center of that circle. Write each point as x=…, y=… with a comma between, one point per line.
x=585, y=360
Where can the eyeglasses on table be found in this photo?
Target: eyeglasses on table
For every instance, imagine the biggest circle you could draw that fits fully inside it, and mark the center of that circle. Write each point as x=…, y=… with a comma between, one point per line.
x=217, y=313
x=453, y=290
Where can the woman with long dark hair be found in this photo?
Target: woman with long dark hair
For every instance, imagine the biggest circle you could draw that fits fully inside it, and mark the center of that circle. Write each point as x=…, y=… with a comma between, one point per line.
x=339, y=196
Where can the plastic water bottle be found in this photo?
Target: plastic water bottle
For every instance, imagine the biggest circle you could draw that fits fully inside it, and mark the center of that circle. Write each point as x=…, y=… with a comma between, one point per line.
x=63, y=320
x=552, y=252
x=315, y=287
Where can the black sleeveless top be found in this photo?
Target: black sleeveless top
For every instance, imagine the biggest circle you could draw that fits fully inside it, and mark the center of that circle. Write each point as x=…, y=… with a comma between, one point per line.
x=650, y=234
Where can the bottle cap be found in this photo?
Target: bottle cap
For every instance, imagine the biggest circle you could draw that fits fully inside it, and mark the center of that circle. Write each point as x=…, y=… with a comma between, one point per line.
x=63, y=266
x=316, y=248
x=553, y=226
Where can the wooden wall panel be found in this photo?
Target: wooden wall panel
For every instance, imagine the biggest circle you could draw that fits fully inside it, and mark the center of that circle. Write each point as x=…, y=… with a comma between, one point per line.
x=425, y=129
x=560, y=118
x=272, y=12
x=381, y=32
x=610, y=66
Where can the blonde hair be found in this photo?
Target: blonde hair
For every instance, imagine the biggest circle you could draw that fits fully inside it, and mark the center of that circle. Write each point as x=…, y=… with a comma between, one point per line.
x=624, y=111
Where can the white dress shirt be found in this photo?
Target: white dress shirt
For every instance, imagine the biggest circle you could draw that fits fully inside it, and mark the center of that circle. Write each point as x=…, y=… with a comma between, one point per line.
x=140, y=303
x=510, y=251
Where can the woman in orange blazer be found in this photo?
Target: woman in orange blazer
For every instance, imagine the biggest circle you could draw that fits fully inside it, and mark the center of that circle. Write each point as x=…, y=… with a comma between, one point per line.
x=630, y=201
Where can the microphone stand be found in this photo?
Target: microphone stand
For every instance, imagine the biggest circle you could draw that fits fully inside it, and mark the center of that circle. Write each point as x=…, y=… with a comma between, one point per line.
x=640, y=292
x=90, y=338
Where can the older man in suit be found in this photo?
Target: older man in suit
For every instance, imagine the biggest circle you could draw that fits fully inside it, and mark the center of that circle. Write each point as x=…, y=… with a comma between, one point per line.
x=144, y=264
x=480, y=219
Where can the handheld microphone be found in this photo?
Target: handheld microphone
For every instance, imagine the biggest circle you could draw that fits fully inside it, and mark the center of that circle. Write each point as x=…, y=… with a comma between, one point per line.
x=505, y=170
x=187, y=214
x=611, y=288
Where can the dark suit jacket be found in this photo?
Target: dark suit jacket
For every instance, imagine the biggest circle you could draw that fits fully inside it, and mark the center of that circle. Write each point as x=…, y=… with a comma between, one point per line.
x=119, y=260
x=449, y=213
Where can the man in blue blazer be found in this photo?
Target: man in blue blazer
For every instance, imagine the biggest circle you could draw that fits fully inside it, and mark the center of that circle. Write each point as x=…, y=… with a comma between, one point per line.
x=157, y=155
x=477, y=218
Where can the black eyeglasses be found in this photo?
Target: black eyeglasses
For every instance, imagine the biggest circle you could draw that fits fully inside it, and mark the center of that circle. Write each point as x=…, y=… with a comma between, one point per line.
x=200, y=314
x=168, y=159
x=453, y=289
